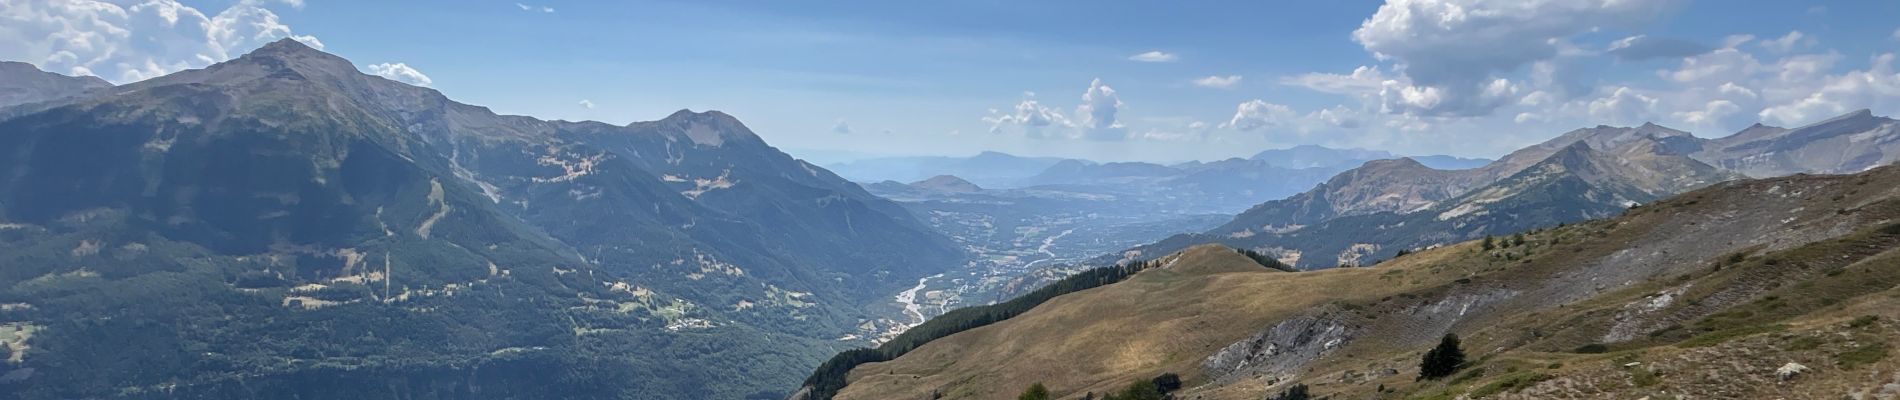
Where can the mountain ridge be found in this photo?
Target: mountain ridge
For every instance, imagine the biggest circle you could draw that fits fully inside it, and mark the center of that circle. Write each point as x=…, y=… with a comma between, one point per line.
x=285, y=185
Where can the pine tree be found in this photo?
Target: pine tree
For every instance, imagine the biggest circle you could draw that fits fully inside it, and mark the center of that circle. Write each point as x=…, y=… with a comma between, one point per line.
x=1168, y=382
x=1297, y=392
x=1035, y=392
x=1490, y=244
x=1443, y=360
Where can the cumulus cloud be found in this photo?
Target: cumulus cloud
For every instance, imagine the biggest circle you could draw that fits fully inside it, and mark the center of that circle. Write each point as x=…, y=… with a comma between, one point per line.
x=1340, y=124
x=1732, y=89
x=1642, y=47
x=841, y=127
x=1452, y=51
x=587, y=104
x=1154, y=56
x=1097, y=113
x=1258, y=114
x=403, y=73
x=1362, y=81
x=1727, y=64
x=1877, y=86
x=539, y=9
x=1029, y=114
x=1710, y=114
x=1337, y=117
x=1792, y=41
x=1771, y=82
x=140, y=41
x=1095, y=118
x=1219, y=82
x=1538, y=82
x=1623, y=106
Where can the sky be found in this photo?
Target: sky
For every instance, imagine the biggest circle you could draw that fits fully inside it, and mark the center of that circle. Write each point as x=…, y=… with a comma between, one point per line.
x=1110, y=81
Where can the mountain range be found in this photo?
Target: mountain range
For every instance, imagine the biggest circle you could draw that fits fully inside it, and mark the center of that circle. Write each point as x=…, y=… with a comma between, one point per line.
x=1379, y=209
x=283, y=225
x=1221, y=186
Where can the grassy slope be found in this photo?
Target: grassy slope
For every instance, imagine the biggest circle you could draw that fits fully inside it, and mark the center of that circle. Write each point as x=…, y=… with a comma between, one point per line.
x=1813, y=253
x=1161, y=320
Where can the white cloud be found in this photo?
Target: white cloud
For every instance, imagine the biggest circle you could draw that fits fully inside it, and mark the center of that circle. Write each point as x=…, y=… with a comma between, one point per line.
x=401, y=73
x=1452, y=51
x=587, y=104
x=1722, y=65
x=1337, y=117
x=1154, y=56
x=1799, y=68
x=1732, y=89
x=1642, y=47
x=1364, y=80
x=1790, y=42
x=1096, y=118
x=1097, y=113
x=1219, y=82
x=540, y=9
x=1896, y=34
x=1257, y=114
x=1624, y=106
x=134, y=42
x=1029, y=114
x=841, y=127
x=1710, y=114
x=1877, y=87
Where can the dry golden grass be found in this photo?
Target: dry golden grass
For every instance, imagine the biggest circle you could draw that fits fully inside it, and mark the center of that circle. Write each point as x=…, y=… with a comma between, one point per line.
x=1162, y=320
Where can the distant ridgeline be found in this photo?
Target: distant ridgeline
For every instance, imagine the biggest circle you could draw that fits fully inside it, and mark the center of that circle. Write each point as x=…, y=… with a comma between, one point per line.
x=830, y=376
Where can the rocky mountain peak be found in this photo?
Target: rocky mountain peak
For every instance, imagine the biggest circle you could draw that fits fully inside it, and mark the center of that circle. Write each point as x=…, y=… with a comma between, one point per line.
x=286, y=56
x=22, y=83
x=1862, y=118
x=1652, y=130
x=13, y=71
x=709, y=128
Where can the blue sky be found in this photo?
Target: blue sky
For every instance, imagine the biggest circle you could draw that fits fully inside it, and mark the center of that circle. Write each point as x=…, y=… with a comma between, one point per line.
x=1064, y=78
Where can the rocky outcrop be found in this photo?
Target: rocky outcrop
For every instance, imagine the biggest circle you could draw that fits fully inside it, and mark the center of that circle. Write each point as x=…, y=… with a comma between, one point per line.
x=1281, y=350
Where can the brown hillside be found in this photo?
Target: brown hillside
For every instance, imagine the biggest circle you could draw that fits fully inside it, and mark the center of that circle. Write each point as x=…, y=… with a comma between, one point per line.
x=1704, y=294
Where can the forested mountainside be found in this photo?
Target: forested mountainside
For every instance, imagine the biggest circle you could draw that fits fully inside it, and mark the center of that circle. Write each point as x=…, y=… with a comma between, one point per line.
x=1772, y=288
x=282, y=225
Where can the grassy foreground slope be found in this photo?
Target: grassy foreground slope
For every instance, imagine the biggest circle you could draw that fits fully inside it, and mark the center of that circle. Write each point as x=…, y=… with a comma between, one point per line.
x=1703, y=295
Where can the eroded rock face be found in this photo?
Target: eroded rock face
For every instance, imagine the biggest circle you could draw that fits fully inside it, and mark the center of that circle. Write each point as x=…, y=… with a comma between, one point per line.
x=1279, y=350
